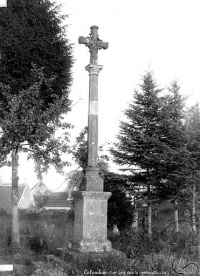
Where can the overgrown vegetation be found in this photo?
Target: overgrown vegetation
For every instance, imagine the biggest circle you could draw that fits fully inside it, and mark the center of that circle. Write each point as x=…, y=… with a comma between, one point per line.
x=43, y=232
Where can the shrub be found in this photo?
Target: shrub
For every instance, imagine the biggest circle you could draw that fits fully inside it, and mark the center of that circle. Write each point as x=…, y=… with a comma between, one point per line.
x=120, y=208
x=38, y=243
x=167, y=263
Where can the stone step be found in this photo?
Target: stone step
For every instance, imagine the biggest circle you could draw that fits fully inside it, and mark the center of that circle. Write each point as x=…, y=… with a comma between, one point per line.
x=71, y=255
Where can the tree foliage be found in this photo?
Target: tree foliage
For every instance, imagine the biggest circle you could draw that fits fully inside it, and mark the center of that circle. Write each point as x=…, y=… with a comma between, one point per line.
x=176, y=160
x=41, y=199
x=120, y=205
x=36, y=61
x=27, y=127
x=79, y=153
x=32, y=32
x=193, y=142
x=140, y=141
x=193, y=133
x=35, y=78
x=152, y=143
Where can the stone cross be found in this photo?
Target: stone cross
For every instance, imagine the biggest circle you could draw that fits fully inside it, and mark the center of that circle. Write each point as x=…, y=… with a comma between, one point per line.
x=94, y=44
x=92, y=181
x=90, y=223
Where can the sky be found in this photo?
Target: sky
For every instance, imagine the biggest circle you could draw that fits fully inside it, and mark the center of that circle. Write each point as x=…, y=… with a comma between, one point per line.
x=158, y=35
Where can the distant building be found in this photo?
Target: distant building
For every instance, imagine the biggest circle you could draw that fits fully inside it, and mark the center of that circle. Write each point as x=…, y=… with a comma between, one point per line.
x=58, y=201
x=26, y=200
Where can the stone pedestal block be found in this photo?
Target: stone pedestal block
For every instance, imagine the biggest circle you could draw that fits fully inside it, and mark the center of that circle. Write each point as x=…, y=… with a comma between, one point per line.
x=90, y=225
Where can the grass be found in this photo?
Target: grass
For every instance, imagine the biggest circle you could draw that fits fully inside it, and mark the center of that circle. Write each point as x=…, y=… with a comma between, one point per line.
x=43, y=232
x=40, y=233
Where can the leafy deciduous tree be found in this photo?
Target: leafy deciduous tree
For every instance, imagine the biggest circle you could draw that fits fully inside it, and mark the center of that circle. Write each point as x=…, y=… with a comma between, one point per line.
x=27, y=127
x=32, y=104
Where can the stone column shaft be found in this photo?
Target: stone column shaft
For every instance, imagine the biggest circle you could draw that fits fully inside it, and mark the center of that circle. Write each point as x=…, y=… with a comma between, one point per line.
x=93, y=114
x=92, y=180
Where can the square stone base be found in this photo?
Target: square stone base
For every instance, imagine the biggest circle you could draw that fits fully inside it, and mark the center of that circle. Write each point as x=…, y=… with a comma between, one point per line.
x=90, y=225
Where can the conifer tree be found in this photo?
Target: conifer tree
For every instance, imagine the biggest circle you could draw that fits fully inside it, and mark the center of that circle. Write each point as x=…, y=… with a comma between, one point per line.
x=193, y=135
x=176, y=156
x=140, y=141
x=152, y=142
x=140, y=136
x=193, y=145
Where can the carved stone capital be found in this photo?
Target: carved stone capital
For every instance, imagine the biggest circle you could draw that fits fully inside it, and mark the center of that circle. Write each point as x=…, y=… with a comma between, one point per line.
x=93, y=69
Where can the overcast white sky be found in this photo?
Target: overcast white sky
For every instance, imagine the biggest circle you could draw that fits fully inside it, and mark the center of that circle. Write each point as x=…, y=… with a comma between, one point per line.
x=163, y=35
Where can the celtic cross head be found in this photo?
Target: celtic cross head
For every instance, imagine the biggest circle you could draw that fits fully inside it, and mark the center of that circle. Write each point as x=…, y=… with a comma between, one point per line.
x=94, y=44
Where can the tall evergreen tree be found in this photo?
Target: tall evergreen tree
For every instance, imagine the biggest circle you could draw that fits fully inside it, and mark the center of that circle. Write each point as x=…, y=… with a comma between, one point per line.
x=141, y=139
x=152, y=142
x=193, y=135
x=193, y=145
x=175, y=165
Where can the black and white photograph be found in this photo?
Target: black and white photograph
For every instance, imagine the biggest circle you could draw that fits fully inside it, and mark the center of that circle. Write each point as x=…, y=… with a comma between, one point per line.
x=99, y=137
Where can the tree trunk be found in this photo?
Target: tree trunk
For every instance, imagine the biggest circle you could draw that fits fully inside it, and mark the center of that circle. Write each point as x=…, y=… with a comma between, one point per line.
x=194, y=228
x=15, y=215
x=198, y=244
x=135, y=221
x=149, y=212
x=149, y=220
x=176, y=215
x=135, y=216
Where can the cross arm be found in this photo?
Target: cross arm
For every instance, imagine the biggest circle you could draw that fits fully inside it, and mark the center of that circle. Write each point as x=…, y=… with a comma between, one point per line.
x=84, y=40
x=99, y=44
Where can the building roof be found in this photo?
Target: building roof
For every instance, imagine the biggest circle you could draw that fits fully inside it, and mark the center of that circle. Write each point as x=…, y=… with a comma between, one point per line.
x=5, y=195
x=58, y=200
